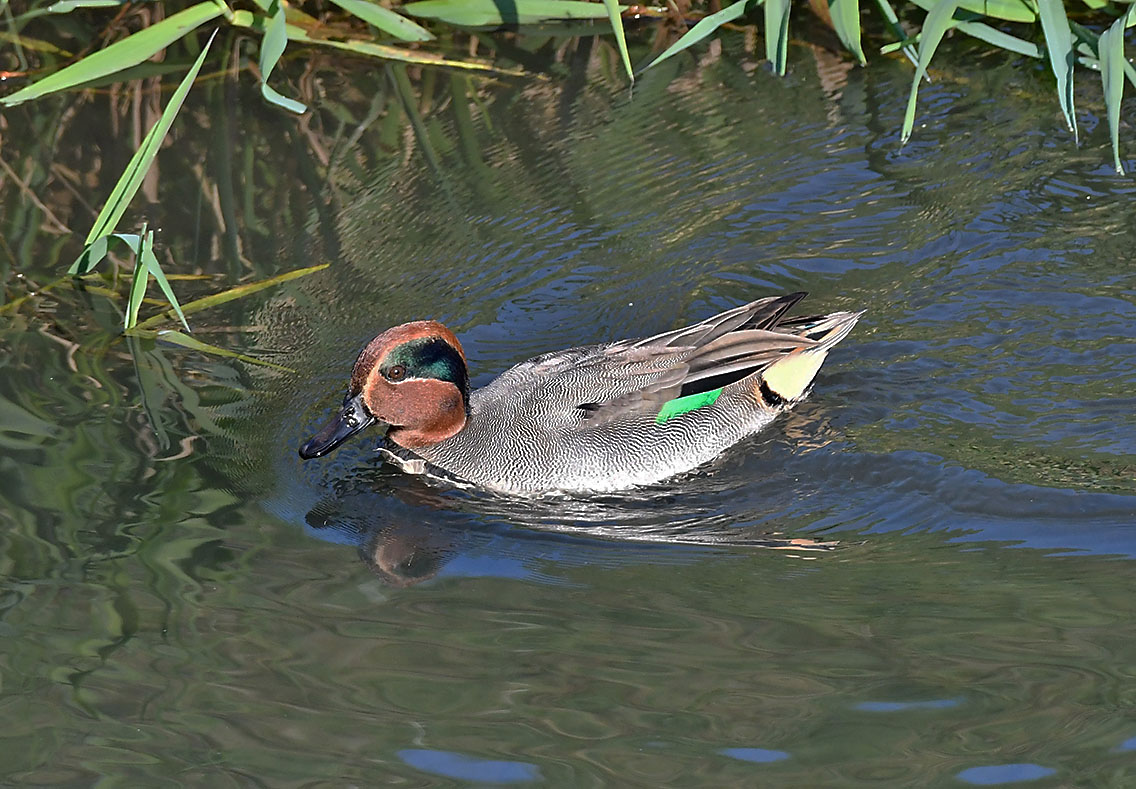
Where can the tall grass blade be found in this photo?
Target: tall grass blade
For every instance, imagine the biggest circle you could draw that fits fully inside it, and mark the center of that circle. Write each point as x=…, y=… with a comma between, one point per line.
x=616, y=20
x=703, y=28
x=777, y=33
x=1007, y=10
x=1111, y=49
x=120, y=55
x=385, y=20
x=494, y=13
x=138, y=280
x=846, y=19
x=897, y=31
x=936, y=24
x=252, y=21
x=1059, y=44
x=131, y=179
x=91, y=256
x=232, y=294
x=271, y=48
x=1089, y=42
x=193, y=344
x=992, y=35
x=155, y=268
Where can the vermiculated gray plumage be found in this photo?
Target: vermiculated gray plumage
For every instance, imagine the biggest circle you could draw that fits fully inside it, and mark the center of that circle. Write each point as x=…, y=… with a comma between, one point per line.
x=588, y=418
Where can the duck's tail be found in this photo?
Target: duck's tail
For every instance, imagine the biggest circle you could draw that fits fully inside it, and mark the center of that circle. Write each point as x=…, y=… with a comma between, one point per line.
x=790, y=376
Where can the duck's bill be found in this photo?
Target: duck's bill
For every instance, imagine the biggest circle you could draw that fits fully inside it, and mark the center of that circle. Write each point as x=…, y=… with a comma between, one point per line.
x=351, y=419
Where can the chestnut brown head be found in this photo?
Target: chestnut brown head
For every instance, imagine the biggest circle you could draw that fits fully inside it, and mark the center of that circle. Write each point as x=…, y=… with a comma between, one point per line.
x=412, y=379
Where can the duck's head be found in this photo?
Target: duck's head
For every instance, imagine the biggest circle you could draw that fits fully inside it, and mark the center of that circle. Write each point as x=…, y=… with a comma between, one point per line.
x=411, y=379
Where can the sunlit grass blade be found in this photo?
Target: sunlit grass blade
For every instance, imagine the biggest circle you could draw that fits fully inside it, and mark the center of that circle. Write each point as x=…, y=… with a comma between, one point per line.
x=385, y=20
x=91, y=256
x=155, y=268
x=33, y=44
x=131, y=179
x=992, y=35
x=138, y=280
x=1111, y=50
x=1088, y=42
x=493, y=13
x=120, y=55
x=1059, y=44
x=252, y=21
x=616, y=20
x=897, y=31
x=271, y=48
x=935, y=25
x=232, y=294
x=1008, y=10
x=192, y=343
x=846, y=19
x=703, y=28
x=67, y=6
x=777, y=33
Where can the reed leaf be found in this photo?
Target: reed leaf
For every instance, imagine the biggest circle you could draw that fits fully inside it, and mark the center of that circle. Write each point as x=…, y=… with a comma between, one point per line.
x=492, y=13
x=232, y=294
x=896, y=30
x=777, y=33
x=385, y=20
x=138, y=280
x=939, y=20
x=131, y=179
x=846, y=20
x=1007, y=10
x=271, y=48
x=1000, y=39
x=1111, y=53
x=613, y=15
x=1059, y=45
x=192, y=343
x=702, y=29
x=120, y=55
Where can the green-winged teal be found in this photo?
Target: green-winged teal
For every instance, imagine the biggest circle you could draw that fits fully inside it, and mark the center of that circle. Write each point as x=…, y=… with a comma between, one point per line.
x=596, y=418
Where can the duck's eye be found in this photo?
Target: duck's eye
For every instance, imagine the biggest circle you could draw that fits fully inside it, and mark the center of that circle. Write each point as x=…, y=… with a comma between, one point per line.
x=396, y=373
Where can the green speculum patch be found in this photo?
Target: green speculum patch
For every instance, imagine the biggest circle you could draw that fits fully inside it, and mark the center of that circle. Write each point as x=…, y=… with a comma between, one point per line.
x=684, y=405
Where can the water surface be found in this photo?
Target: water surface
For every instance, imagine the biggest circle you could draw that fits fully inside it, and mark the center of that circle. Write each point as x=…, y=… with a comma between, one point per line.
x=921, y=576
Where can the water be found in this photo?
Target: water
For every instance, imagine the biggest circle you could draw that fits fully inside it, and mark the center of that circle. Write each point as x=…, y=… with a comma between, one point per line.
x=921, y=576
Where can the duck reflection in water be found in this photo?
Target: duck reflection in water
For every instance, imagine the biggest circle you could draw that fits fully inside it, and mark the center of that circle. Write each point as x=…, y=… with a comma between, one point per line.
x=408, y=532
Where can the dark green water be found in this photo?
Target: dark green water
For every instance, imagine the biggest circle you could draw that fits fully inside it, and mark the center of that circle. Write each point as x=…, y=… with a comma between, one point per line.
x=184, y=602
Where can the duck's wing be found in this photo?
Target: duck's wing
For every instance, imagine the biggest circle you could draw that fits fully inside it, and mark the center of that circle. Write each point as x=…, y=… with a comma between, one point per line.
x=637, y=377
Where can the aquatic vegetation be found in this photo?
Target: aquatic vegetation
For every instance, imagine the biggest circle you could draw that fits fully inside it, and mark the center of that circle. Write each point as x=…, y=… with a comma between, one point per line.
x=365, y=28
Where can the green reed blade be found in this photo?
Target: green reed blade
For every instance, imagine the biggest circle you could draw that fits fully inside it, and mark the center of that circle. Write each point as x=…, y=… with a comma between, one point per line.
x=893, y=25
x=271, y=48
x=155, y=268
x=131, y=179
x=232, y=294
x=999, y=39
x=1008, y=10
x=493, y=13
x=1059, y=44
x=703, y=28
x=130, y=51
x=938, y=21
x=613, y=15
x=777, y=33
x=256, y=22
x=138, y=280
x=1111, y=49
x=193, y=344
x=385, y=20
x=846, y=19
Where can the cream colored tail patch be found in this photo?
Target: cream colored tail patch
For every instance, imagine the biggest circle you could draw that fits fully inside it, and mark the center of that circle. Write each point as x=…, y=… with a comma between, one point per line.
x=789, y=377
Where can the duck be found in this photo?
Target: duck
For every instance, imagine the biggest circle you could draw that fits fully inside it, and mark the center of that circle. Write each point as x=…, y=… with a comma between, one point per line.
x=593, y=419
